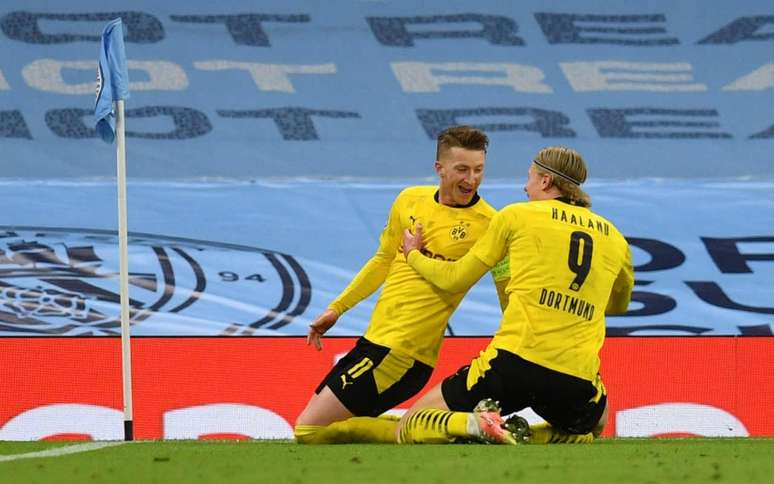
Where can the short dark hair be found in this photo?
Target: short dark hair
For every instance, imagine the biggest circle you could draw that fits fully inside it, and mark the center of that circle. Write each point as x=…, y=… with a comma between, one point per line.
x=461, y=136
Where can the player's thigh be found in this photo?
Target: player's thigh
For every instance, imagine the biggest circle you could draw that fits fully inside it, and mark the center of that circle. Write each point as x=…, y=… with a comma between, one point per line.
x=372, y=379
x=397, y=378
x=572, y=404
x=493, y=374
x=323, y=408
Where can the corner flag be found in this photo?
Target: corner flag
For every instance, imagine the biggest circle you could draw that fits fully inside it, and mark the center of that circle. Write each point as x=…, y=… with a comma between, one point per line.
x=112, y=89
x=112, y=79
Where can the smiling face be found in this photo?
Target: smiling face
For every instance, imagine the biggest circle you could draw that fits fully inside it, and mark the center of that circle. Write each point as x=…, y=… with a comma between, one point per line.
x=461, y=171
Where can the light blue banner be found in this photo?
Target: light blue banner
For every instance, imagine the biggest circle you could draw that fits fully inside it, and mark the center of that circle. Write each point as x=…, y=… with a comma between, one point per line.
x=359, y=88
x=265, y=258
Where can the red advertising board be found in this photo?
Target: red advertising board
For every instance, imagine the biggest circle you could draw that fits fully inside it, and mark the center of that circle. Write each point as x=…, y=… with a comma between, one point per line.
x=255, y=387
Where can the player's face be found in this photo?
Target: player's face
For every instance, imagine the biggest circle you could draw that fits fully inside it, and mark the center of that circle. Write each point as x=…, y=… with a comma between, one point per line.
x=461, y=172
x=536, y=183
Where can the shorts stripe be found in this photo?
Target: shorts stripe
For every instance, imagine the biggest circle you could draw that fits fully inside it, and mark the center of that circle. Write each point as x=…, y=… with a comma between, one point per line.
x=362, y=367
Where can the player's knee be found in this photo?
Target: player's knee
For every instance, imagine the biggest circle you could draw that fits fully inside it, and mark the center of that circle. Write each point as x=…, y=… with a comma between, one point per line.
x=314, y=414
x=304, y=418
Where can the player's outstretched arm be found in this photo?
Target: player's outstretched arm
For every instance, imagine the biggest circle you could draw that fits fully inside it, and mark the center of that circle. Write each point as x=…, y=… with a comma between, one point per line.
x=456, y=276
x=320, y=326
x=368, y=279
x=374, y=272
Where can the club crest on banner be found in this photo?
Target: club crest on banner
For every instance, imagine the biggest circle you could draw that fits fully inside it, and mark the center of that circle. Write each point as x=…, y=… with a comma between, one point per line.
x=65, y=282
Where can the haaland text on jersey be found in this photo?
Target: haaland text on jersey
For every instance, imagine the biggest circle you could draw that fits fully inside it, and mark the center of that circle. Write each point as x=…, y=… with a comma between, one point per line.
x=600, y=226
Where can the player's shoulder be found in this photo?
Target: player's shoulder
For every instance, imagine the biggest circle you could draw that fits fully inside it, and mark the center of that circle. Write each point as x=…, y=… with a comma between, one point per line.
x=527, y=210
x=517, y=208
x=608, y=226
x=414, y=194
x=418, y=191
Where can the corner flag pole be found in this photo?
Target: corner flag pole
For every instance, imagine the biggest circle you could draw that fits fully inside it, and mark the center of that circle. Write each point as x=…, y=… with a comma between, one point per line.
x=126, y=353
x=112, y=90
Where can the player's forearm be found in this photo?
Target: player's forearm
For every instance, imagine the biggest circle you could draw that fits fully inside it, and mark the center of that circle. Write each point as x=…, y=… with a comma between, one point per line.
x=618, y=303
x=620, y=296
x=370, y=277
x=621, y=293
x=450, y=276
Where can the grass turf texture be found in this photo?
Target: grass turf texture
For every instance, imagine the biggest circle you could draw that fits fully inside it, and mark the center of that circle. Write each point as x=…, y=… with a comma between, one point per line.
x=609, y=460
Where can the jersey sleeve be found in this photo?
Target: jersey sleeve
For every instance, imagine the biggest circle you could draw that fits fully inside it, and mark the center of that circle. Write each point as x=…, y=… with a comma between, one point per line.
x=621, y=293
x=450, y=276
x=373, y=273
x=492, y=247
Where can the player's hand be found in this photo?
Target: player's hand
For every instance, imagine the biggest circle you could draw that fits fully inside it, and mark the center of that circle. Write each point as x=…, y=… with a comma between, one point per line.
x=412, y=242
x=319, y=326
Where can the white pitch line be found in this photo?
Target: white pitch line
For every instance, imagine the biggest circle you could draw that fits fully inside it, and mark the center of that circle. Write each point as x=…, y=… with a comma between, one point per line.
x=56, y=452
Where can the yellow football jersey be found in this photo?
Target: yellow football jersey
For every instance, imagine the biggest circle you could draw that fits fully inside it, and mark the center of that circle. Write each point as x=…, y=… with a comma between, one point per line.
x=411, y=314
x=566, y=263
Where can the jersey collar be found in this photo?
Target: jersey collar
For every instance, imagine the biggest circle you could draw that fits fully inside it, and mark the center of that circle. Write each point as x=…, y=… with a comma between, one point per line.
x=472, y=202
x=566, y=200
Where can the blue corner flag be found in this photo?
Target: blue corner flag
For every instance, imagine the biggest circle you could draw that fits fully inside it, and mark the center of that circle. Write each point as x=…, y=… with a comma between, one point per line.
x=112, y=79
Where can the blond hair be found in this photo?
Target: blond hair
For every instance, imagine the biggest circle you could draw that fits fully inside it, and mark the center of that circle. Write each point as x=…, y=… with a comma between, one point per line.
x=568, y=170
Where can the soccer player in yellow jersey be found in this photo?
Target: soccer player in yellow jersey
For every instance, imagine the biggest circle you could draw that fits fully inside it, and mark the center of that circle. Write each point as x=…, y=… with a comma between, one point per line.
x=395, y=357
x=569, y=267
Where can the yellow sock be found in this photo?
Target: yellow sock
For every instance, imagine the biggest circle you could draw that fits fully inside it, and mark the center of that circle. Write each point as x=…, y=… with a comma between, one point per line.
x=389, y=416
x=353, y=430
x=432, y=426
x=545, y=434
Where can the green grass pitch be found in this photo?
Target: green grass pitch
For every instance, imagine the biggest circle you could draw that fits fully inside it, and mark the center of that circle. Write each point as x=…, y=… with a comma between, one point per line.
x=607, y=460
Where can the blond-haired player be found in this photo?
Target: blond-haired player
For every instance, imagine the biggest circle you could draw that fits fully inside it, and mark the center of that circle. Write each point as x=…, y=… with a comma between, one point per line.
x=569, y=267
